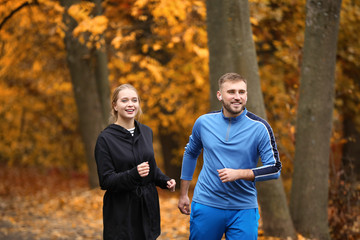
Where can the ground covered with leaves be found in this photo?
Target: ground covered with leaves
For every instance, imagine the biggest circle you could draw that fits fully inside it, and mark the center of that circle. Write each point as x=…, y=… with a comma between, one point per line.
x=51, y=204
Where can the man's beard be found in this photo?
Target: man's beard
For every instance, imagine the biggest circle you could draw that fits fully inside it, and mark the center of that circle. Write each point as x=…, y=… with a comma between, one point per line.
x=230, y=110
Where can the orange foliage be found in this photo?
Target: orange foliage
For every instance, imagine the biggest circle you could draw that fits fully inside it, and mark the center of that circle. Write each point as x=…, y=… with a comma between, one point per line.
x=38, y=105
x=36, y=102
x=161, y=48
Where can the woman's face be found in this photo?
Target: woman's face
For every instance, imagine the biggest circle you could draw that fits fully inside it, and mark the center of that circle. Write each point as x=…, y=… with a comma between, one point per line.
x=127, y=104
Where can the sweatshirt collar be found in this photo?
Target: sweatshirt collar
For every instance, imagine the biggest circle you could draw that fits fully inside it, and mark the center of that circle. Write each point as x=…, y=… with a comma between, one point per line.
x=238, y=118
x=124, y=132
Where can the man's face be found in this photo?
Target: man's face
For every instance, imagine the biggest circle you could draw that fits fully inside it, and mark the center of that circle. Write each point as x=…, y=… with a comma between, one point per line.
x=233, y=96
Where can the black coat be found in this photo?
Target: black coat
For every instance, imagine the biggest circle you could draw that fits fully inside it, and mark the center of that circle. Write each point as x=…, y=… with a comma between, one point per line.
x=131, y=204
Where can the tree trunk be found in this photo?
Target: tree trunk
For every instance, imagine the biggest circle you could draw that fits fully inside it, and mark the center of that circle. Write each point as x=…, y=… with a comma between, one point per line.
x=232, y=49
x=102, y=72
x=85, y=87
x=168, y=145
x=219, y=47
x=309, y=193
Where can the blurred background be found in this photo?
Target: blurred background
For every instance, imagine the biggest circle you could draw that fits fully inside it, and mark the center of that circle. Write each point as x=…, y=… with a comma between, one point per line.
x=60, y=60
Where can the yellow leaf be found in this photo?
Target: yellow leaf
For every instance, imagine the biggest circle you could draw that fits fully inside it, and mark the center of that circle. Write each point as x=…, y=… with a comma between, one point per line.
x=37, y=66
x=156, y=46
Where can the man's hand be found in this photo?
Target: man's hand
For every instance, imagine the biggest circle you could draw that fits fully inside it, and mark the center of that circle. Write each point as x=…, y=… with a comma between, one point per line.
x=184, y=205
x=230, y=175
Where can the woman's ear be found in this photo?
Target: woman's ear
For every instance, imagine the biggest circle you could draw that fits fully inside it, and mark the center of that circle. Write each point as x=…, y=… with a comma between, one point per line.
x=114, y=107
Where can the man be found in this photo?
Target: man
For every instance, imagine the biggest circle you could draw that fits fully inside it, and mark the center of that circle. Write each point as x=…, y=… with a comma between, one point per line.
x=233, y=139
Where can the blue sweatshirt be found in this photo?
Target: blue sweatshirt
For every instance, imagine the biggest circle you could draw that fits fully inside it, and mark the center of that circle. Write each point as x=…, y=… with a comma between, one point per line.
x=235, y=143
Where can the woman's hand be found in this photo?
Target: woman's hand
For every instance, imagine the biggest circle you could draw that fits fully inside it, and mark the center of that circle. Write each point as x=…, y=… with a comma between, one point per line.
x=143, y=169
x=171, y=185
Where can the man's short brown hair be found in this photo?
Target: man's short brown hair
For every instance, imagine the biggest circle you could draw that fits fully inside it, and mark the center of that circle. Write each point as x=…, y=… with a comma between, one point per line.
x=234, y=77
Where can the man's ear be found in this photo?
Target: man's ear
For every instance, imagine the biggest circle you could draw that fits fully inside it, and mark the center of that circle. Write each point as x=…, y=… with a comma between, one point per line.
x=219, y=95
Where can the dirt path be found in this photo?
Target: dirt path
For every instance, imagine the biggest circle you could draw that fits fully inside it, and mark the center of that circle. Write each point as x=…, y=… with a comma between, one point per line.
x=74, y=215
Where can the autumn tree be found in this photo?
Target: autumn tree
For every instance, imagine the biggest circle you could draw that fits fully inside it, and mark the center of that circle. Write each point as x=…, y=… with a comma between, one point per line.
x=347, y=92
x=161, y=49
x=278, y=33
x=87, y=65
x=345, y=167
x=279, y=28
x=101, y=59
x=232, y=50
x=36, y=102
x=144, y=42
x=309, y=193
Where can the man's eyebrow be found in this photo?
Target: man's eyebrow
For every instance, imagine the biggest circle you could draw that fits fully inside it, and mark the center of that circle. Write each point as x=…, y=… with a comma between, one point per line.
x=232, y=90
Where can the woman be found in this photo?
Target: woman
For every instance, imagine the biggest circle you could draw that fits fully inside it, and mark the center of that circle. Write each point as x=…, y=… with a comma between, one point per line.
x=128, y=172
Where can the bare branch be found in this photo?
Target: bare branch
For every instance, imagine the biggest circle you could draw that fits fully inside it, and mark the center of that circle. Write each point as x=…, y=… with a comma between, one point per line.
x=35, y=2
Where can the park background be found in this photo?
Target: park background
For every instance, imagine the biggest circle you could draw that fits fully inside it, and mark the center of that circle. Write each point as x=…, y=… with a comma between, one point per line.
x=61, y=59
